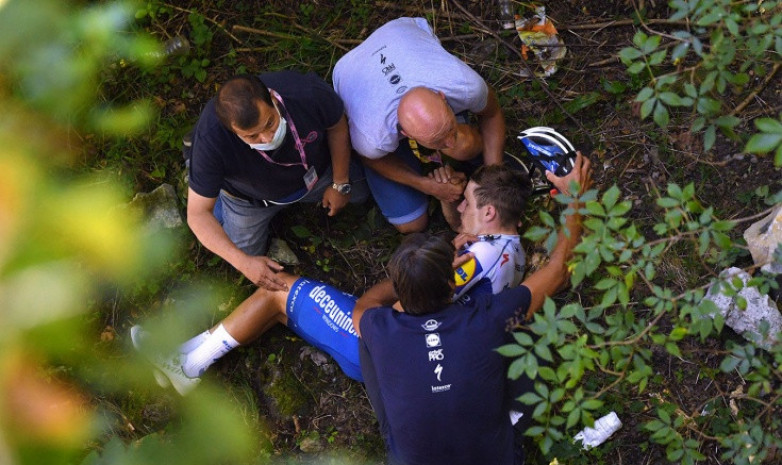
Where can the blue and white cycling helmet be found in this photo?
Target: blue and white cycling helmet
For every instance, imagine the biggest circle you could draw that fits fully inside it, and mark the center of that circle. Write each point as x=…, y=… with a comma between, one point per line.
x=548, y=149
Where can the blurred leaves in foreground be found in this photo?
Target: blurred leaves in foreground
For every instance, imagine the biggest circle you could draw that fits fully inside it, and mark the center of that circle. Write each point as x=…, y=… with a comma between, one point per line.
x=64, y=242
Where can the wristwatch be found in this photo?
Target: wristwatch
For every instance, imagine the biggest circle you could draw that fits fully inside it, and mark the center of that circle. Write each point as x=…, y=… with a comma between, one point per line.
x=343, y=188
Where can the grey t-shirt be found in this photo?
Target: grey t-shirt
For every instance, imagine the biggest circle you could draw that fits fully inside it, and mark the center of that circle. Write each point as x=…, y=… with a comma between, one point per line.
x=402, y=54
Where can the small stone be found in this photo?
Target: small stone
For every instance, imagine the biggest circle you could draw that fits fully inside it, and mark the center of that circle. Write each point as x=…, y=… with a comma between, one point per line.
x=311, y=445
x=160, y=208
x=281, y=253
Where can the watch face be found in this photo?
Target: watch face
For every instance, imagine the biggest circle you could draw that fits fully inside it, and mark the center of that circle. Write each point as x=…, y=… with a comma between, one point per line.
x=343, y=189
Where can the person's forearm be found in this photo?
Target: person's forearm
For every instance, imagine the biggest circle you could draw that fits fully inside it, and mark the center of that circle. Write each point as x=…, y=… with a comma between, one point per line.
x=554, y=275
x=492, y=128
x=493, y=133
x=339, y=148
x=212, y=236
x=380, y=295
x=391, y=167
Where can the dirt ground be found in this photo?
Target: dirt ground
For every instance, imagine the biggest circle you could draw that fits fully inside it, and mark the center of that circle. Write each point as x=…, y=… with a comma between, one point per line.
x=309, y=404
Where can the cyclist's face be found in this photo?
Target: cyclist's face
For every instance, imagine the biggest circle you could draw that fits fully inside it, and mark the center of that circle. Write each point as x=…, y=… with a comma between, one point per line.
x=472, y=216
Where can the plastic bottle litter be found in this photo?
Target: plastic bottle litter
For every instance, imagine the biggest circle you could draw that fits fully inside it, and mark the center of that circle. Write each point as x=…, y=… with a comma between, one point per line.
x=175, y=46
x=604, y=427
x=505, y=14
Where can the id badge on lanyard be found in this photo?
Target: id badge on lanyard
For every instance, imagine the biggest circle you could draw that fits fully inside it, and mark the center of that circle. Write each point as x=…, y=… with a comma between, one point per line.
x=310, y=178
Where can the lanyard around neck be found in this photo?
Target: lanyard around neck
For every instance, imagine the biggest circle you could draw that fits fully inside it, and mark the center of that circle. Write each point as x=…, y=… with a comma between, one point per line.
x=296, y=138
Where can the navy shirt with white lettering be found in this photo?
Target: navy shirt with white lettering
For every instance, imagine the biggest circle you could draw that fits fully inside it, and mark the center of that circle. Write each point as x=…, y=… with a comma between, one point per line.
x=440, y=383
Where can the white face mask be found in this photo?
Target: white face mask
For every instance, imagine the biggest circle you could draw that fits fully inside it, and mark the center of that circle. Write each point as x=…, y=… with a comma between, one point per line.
x=279, y=136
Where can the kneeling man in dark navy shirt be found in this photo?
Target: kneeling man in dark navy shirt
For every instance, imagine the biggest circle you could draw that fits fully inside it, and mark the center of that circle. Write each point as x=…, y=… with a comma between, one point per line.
x=435, y=380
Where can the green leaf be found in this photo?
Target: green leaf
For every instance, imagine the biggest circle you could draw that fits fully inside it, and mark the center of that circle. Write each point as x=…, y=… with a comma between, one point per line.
x=582, y=101
x=698, y=124
x=573, y=417
x=763, y=143
x=769, y=125
x=727, y=121
x=710, y=18
x=709, y=137
x=644, y=95
x=667, y=202
x=732, y=26
x=547, y=219
x=647, y=106
x=729, y=363
x=639, y=39
x=605, y=283
x=592, y=404
x=614, y=87
x=679, y=51
x=671, y=99
x=535, y=233
x=609, y=297
x=723, y=225
x=708, y=106
x=629, y=54
x=544, y=352
x=651, y=44
x=674, y=454
x=621, y=208
x=636, y=67
x=301, y=232
x=673, y=349
x=611, y=196
x=516, y=368
x=703, y=243
x=678, y=333
x=592, y=261
x=595, y=209
x=511, y=350
x=657, y=57
x=522, y=338
x=530, y=398
x=661, y=116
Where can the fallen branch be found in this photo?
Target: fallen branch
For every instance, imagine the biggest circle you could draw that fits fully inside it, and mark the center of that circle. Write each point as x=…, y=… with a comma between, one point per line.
x=276, y=35
x=757, y=90
x=623, y=22
x=185, y=10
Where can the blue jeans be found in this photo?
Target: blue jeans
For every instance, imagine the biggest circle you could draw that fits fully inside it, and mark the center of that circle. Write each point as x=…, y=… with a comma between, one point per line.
x=247, y=224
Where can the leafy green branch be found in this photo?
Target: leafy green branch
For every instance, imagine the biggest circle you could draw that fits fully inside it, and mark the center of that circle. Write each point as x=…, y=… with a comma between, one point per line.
x=724, y=42
x=636, y=310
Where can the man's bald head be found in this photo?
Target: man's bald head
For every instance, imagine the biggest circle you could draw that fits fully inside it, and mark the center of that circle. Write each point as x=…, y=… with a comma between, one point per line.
x=425, y=116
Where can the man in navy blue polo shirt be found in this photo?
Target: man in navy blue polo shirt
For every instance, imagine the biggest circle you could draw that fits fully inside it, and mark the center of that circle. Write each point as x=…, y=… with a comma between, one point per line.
x=431, y=364
x=263, y=143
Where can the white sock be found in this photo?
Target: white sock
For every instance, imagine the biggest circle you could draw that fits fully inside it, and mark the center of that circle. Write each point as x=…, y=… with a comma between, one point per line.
x=202, y=357
x=194, y=342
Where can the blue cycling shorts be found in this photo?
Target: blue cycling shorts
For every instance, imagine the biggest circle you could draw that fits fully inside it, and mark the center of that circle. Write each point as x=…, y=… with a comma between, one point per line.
x=323, y=316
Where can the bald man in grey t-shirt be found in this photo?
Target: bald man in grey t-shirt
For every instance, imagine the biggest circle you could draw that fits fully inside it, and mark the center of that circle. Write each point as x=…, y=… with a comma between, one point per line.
x=400, y=82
